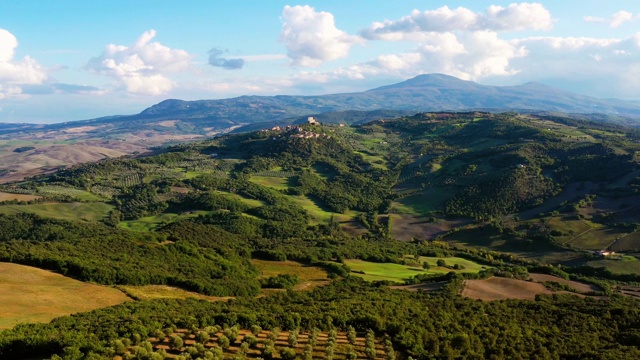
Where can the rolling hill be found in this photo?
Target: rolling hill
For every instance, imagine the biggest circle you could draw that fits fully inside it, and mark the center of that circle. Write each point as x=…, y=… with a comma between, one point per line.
x=177, y=120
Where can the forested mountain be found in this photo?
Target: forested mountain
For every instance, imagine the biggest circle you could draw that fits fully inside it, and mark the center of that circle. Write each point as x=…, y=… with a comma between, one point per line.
x=443, y=198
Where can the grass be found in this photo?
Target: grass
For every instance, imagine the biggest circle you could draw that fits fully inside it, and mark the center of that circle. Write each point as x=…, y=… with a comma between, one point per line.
x=423, y=203
x=80, y=195
x=63, y=211
x=272, y=182
x=626, y=265
x=153, y=292
x=318, y=214
x=151, y=222
x=30, y=295
x=19, y=197
x=399, y=273
x=310, y=276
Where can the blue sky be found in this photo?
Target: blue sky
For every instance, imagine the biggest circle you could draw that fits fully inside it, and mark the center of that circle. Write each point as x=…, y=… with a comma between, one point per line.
x=72, y=60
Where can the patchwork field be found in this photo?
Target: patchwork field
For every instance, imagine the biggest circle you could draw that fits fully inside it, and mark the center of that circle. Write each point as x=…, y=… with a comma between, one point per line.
x=29, y=294
x=310, y=276
x=63, y=211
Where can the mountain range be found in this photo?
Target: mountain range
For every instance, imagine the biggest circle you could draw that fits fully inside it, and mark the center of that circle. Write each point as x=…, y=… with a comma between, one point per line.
x=177, y=120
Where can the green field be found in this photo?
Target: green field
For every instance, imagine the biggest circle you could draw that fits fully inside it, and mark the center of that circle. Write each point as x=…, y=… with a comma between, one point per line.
x=319, y=215
x=423, y=203
x=63, y=211
x=399, y=273
x=271, y=181
x=152, y=222
x=310, y=276
x=55, y=190
x=626, y=265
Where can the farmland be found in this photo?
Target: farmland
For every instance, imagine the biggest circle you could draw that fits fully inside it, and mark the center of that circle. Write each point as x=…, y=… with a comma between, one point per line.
x=259, y=343
x=28, y=294
x=371, y=271
x=63, y=211
x=309, y=276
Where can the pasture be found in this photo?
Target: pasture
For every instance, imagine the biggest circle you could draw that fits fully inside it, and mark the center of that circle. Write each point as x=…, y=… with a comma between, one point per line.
x=278, y=183
x=56, y=190
x=371, y=271
x=626, y=265
x=63, y=211
x=310, y=276
x=152, y=292
x=149, y=223
x=17, y=197
x=29, y=295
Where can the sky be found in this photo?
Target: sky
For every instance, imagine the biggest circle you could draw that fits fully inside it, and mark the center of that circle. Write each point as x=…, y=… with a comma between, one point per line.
x=64, y=60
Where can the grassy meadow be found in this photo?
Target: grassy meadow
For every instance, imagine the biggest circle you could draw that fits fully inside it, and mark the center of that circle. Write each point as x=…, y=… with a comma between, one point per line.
x=29, y=294
x=371, y=271
x=62, y=211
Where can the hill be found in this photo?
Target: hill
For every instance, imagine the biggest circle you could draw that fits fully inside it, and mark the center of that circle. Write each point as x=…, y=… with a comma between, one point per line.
x=173, y=121
x=432, y=199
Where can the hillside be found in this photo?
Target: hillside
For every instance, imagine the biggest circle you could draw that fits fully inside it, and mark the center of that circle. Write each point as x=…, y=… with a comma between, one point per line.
x=367, y=231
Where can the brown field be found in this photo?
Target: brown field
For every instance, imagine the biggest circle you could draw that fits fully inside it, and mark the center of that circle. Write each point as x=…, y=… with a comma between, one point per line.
x=309, y=276
x=406, y=227
x=151, y=292
x=497, y=288
x=29, y=295
x=19, y=197
x=428, y=287
x=280, y=343
x=630, y=291
x=576, y=285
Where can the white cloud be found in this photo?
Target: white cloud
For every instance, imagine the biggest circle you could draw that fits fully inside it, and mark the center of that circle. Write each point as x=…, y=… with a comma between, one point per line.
x=311, y=37
x=608, y=66
x=141, y=68
x=620, y=18
x=615, y=20
x=515, y=17
x=469, y=55
x=13, y=73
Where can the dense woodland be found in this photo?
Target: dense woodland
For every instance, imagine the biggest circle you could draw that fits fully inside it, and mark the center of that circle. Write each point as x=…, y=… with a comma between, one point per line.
x=320, y=194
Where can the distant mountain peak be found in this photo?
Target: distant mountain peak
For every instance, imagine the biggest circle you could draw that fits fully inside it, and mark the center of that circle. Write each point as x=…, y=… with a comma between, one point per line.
x=431, y=80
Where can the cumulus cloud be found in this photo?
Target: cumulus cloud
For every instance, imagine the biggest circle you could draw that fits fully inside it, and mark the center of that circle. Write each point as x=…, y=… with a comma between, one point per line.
x=228, y=64
x=515, y=17
x=141, y=68
x=15, y=74
x=311, y=37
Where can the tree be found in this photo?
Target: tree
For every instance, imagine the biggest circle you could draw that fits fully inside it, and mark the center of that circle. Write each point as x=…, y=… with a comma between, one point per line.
x=256, y=329
x=176, y=342
x=288, y=353
x=308, y=352
x=441, y=263
x=351, y=335
x=223, y=341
